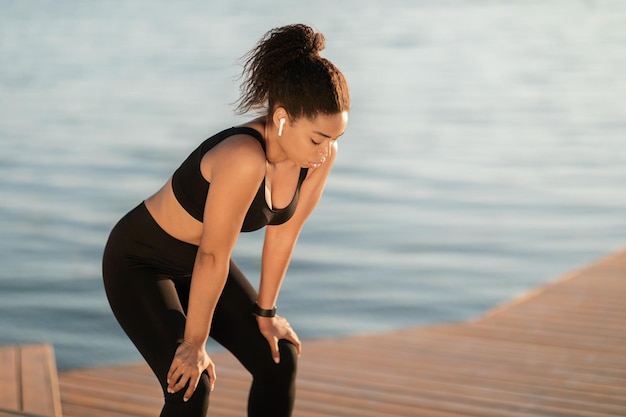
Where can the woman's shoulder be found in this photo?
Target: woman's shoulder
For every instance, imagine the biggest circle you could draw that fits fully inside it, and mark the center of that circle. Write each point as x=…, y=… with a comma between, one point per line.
x=241, y=152
x=242, y=142
x=246, y=142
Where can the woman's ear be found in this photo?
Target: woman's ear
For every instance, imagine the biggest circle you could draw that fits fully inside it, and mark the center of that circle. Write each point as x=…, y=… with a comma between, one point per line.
x=280, y=117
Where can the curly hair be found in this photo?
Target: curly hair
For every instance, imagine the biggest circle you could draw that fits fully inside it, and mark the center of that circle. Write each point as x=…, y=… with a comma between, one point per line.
x=286, y=69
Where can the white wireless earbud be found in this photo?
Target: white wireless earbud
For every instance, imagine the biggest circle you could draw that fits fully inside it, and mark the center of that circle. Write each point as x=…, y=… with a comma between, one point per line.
x=280, y=126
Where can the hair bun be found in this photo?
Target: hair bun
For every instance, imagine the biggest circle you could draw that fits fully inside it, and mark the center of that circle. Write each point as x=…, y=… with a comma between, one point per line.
x=284, y=65
x=303, y=39
x=315, y=43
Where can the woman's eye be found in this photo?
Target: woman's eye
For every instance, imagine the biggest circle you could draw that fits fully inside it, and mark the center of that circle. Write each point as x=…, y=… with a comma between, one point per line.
x=315, y=143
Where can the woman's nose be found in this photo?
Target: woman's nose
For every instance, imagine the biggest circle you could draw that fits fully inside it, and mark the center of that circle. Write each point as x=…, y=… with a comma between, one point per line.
x=325, y=150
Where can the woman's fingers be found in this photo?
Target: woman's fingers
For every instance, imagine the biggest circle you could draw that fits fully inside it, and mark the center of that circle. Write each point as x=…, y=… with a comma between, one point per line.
x=292, y=337
x=275, y=351
x=212, y=376
x=272, y=340
x=173, y=375
x=276, y=328
x=296, y=341
x=193, y=383
x=186, y=372
x=178, y=381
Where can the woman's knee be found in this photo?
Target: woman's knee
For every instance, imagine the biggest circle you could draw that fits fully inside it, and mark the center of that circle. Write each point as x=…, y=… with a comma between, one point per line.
x=288, y=353
x=197, y=405
x=287, y=367
x=263, y=367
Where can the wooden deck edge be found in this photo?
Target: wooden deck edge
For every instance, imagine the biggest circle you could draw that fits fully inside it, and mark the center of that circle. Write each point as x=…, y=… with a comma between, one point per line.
x=34, y=380
x=12, y=413
x=536, y=291
x=52, y=375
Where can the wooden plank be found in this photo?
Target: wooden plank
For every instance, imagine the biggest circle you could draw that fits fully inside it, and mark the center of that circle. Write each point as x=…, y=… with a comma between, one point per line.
x=29, y=380
x=558, y=351
x=10, y=383
x=40, y=384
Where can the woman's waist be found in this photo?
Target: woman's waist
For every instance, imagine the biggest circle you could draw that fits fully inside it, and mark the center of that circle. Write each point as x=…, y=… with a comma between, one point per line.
x=171, y=217
x=139, y=241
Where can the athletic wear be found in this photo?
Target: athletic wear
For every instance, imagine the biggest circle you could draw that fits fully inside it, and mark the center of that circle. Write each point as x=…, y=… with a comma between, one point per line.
x=191, y=188
x=147, y=277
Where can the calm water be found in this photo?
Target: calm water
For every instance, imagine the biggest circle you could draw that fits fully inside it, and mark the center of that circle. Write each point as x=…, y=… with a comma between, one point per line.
x=485, y=153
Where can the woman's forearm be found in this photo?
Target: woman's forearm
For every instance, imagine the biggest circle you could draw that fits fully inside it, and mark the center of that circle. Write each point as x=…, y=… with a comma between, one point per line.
x=277, y=250
x=207, y=283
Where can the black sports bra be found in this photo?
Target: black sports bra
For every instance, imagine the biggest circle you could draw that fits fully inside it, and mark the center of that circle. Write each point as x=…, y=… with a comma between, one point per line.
x=191, y=188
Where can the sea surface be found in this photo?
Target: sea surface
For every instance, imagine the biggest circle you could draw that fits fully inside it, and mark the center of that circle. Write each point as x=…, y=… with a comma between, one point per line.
x=485, y=153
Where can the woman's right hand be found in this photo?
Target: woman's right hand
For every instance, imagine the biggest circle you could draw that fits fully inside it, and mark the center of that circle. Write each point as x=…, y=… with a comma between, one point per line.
x=189, y=362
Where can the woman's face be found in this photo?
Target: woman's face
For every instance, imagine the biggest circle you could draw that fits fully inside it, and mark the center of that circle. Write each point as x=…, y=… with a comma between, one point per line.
x=307, y=142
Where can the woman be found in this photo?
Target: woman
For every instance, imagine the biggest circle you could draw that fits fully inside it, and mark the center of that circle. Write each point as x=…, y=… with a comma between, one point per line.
x=167, y=265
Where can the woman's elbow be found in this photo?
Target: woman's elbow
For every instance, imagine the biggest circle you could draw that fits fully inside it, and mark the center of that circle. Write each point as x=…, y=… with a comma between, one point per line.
x=210, y=259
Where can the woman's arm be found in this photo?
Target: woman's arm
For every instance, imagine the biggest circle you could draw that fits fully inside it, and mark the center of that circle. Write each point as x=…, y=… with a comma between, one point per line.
x=235, y=169
x=278, y=247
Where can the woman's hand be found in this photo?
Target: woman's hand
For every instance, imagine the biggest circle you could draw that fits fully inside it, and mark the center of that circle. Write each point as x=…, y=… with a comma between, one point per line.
x=276, y=328
x=188, y=364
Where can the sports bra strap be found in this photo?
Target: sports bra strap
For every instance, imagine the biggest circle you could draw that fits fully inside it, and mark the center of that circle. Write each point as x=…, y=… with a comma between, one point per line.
x=303, y=173
x=249, y=131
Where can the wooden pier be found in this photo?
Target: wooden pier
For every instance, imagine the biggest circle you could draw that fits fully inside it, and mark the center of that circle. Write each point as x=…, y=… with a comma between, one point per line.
x=558, y=351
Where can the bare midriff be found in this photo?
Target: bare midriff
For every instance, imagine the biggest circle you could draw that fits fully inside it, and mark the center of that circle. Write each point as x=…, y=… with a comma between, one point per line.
x=172, y=217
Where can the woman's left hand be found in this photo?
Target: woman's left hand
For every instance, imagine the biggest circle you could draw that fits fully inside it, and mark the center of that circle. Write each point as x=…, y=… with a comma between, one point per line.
x=276, y=328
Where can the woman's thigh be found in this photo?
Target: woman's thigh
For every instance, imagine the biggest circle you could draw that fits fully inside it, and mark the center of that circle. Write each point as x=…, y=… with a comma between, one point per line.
x=234, y=326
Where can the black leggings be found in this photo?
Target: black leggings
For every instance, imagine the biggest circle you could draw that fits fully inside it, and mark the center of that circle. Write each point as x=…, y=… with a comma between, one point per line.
x=147, y=274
